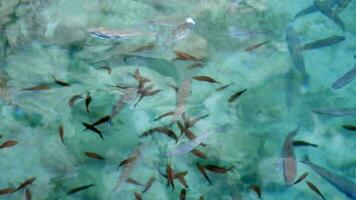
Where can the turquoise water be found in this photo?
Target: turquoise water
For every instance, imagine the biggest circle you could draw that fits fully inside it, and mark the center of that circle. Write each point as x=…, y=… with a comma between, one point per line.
x=93, y=46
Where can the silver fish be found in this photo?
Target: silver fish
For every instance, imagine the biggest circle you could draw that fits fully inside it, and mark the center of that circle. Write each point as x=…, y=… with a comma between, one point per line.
x=335, y=111
x=345, y=79
x=112, y=34
x=343, y=4
x=313, y=8
x=129, y=95
x=325, y=9
x=322, y=43
x=180, y=31
x=343, y=184
x=288, y=158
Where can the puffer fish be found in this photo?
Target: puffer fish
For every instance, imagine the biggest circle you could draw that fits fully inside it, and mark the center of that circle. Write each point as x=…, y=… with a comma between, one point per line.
x=343, y=184
x=104, y=33
x=322, y=43
x=180, y=31
x=345, y=79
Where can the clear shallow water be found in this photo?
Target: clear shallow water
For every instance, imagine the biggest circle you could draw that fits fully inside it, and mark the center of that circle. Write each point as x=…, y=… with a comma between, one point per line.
x=41, y=39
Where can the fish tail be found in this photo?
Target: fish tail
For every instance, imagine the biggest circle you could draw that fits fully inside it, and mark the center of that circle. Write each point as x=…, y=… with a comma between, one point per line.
x=305, y=159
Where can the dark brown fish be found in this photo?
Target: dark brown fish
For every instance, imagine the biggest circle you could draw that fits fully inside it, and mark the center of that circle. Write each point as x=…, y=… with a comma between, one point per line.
x=127, y=161
x=201, y=169
x=184, y=56
x=61, y=133
x=163, y=130
x=349, y=127
x=205, y=79
x=315, y=189
x=92, y=128
x=141, y=80
x=223, y=87
x=236, y=95
x=164, y=115
x=60, y=82
x=78, y=189
x=217, y=169
x=94, y=155
x=183, y=194
x=138, y=196
x=180, y=174
x=26, y=183
x=170, y=176
x=298, y=143
x=107, y=68
x=144, y=48
x=301, y=178
x=188, y=123
x=134, y=182
x=183, y=182
x=102, y=120
x=73, y=99
x=257, y=189
x=88, y=100
x=8, y=144
x=149, y=184
x=201, y=197
x=255, y=46
x=199, y=153
x=7, y=191
x=38, y=87
x=28, y=194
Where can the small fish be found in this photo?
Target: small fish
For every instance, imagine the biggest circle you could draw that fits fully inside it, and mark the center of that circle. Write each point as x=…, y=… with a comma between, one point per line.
x=7, y=191
x=341, y=6
x=205, y=79
x=127, y=161
x=301, y=178
x=0, y=136
x=60, y=82
x=144, y=48
x=94, y=155
x=325, y=9
x=28, y=194
x=183, y=194
x=195, y=65
x=80, y=188
x=223, y=87
x=138, y=196
x=349, y=127
x=141, y=80
x=217, y=169
x=38, y=87
x=315, y=189
x=201, y=197
x=253, y=47
x=322, y=43
x=199, y=153
x=92, y=128
x=183, y=182
x=61, y=133
x=288, y=158
x=298, y=143
x=184, y=56
x=257, y=189
x=180, y=176
x=170, y=176
x=8, y=143
x=88, y=100
x=335, y=111
x=107, y=68
x=149, y=184
x=26, y=183
x=163, y=130
x=188, y=123
x=345, y=79
x=201, y=169
x=180, y=31
x=74, y=99
x=104, y=33
x=102, y=120
x=236, y=95
x=164, y=115
x=134, y=182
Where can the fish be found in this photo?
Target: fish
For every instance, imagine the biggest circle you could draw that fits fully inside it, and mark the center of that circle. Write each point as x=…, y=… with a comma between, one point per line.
x=0, y=136
x=141, y=80
x=313, y=8
x=28, y=194
x=335, y=111
x=60, y=82
x=205, y=79
x=107, y=68
x=223, y=87
x=102, y=120
x=301, y=178
x=74, y=99
x=180, y=176
x=129, y=95
x=190, y=135
x=127, y=161
x=183, y=194
x=7, y=191
x=345, y=79
x=61, y=133
x=255, y=46
x=163, y=130
x=80, y=188
x=341, y=6
x=217, y=169
x=236, y=95
x=144, y=48
x=201, y=197
x=180, y=32
x=104, y=33
x=257, y=189
x=349, y=127
x=199, y=153
x=325, y=42
x=201, y=169
x=92, y=128
x=343, y=184
x=288, y=158
x=293, y=42
x=248, y=33
x=170, y=176
x=88, y=100
x=188, y=123
x=134, y=182
x=138, y=196
x=8, y=143
x=184, y=56
x=36, y=88
x=149, y=184
x=26, y=183
x=195, y=65
x=315, y=189
x=298, y=143
x=326, y=10
x=94, y=155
